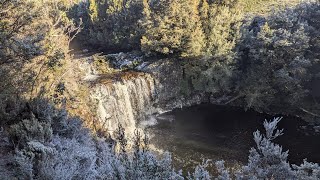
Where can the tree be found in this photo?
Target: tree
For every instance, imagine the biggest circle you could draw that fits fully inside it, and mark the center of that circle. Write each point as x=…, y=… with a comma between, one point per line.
x=223, y=24
x=112, y=25
x=278, y=58
x=213, y=71
x=32, y=33
x=172, y=27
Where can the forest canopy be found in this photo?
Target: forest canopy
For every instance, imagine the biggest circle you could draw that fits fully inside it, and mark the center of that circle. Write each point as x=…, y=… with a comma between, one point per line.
x=167, y=27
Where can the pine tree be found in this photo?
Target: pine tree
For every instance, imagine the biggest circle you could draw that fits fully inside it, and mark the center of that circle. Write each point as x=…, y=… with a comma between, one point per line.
x=223, y=29
x=195, y=37
x=175, y=28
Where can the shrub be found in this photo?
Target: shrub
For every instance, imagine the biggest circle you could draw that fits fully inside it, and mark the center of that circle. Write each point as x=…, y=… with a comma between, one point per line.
x=111, y=25
x=34, y=40
x=278, y=57
x=268, y=161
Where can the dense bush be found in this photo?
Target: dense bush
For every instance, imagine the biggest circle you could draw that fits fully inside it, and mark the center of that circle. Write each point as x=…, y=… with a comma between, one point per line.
x=110, y=25
x=279, y=56
x=18, y=42
x=172, y=27
x=185, y=28
x=66, y=150
x=34, y=40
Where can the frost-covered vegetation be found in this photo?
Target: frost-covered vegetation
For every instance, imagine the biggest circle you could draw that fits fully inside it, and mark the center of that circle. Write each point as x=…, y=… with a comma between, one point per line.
x=268, y=160
x=41, y=142
x=34, y=38
x=279, y=59
x=265, y=62
x=35, y=58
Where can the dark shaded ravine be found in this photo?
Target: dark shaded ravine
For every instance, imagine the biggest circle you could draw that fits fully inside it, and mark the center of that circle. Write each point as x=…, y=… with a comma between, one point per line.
x=216, y=132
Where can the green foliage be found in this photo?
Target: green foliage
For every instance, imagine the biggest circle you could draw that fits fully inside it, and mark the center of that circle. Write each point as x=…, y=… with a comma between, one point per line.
x=223, y=29
x=172, y=27
x=190, y=28
x=208, y=31
x=266, y=6
x=18, y=43
x=277, y=57
x=185, y=28
x=208, y=76
x=111, y=25
x=34, y=39
x=93, y=10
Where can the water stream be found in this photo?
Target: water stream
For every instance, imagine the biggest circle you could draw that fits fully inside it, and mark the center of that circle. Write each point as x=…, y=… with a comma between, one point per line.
x=123, y=99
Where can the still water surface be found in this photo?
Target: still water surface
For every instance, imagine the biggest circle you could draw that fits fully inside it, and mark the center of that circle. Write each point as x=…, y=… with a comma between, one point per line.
x=216, y=132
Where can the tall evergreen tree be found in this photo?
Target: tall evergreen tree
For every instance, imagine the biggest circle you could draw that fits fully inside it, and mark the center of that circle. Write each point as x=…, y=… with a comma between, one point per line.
x=175, y=28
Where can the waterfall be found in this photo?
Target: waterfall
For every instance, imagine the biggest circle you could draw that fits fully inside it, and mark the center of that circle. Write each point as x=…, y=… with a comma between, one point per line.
x=126, y=100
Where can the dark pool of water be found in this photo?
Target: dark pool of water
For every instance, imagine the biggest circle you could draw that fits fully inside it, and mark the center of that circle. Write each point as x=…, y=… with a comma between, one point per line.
x=216, y=132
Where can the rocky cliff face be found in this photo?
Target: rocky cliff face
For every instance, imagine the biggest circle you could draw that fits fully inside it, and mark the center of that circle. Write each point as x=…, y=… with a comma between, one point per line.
x=129, y=97
x=168, y=75
x=124, y=101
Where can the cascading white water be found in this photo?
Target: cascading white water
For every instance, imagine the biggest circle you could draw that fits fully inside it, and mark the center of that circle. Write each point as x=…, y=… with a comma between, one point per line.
x=128, y=98
x=124, y=102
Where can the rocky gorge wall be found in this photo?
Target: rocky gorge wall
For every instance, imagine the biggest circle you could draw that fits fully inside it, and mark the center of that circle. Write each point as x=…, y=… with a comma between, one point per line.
x=124, y=101
x=139, y=90
x=130, y=97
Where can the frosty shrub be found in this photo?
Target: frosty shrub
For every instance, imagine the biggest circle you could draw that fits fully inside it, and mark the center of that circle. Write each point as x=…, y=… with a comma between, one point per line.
x=30, y=129
x=268, y=160
x=45, y=143
x=200, y=172
x=307, y=170
x=279, y=56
